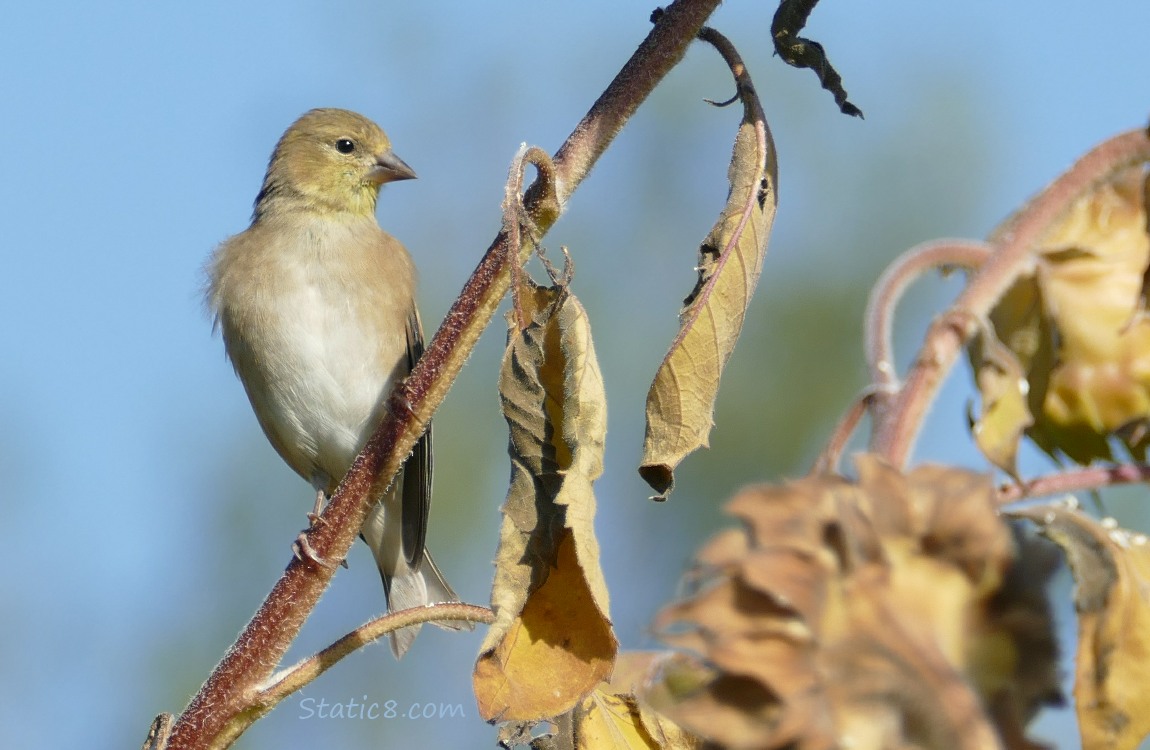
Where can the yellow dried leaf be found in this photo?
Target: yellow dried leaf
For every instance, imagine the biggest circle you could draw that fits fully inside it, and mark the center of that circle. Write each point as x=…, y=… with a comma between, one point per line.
x=551, y=641
x=612, y=717
x=633, y=671
x=1080, y=333
x=681, y=400
x=1005, y=412
x=555, y=652
x=1092, y=274
x=610, y=722
x=666, y=734
x=1094, y=261
x=1111, y=568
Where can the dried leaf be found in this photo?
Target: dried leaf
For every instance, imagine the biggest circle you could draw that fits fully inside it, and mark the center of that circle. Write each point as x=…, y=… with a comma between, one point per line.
x=1111, y=568
x=887, y=612
x=1079, y=331
x=681, y=400
x=1005, y=413
x=616, y=721
x=1091, y=279
x=799, y=52
x=556, y=651
x=551, y=641
x=610, y=722
x=612, y=717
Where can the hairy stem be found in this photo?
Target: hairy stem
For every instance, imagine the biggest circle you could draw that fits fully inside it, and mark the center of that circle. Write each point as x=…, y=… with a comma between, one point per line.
x=884, y=298
x=1076, y=480
x=299, y=675
x=828, y=460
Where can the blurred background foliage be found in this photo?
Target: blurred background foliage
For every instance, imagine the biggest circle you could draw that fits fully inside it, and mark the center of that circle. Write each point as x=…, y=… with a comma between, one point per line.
x=147, y=515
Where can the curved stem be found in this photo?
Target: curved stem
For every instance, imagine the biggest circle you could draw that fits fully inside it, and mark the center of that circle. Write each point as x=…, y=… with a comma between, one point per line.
x=888, y=291
x=295, y=677
x=292, y=679
x=1077, y=480
x=828, y=460
x=897, y=427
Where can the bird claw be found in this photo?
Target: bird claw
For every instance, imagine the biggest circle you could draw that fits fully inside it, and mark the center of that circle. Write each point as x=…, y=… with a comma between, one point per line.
x=304, y=552
x=301, y=547
x=399, y=399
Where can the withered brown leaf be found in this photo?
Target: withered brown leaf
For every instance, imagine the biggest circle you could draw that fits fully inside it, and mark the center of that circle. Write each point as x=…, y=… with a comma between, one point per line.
x=1079, y=332
x=551, y=642
x=681, y=400
x=789, y=20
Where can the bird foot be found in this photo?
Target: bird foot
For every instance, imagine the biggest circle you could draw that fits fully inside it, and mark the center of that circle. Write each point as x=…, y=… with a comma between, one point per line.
x=304, y=552
x=399, y=404
x=320, y=501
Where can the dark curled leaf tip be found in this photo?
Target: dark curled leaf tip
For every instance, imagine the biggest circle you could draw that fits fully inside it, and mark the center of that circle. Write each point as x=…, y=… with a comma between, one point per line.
x=800, y=52
x=725, y=102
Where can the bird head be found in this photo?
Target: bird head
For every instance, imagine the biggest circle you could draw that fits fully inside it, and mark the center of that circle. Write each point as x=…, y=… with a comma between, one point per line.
x=331, y=160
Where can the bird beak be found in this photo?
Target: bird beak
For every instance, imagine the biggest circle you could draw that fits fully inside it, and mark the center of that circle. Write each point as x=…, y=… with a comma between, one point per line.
x=390, y=168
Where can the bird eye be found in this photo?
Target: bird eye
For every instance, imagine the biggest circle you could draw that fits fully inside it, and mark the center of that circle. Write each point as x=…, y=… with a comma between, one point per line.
x=345, y=145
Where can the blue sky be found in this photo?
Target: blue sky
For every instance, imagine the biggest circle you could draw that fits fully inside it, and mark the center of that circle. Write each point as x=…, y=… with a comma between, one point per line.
x=135, y=137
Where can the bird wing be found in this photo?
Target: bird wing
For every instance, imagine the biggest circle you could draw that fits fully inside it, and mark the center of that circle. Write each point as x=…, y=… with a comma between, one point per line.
x=417, y=469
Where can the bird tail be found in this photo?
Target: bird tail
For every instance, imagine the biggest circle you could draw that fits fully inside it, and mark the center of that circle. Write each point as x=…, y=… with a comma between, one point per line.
x=406, y=588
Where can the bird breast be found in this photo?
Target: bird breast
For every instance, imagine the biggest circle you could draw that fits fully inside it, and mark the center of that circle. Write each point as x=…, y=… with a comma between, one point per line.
x=317, y=333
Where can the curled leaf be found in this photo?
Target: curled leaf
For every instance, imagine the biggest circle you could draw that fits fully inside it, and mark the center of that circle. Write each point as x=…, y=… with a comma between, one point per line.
x=608, y=720
x=1005, y=414
x=1079, y=331
x=799, y=52
x=1091, y=279
x=611, y=722
x=551, y=642
x=633, y=673
x=681, y=400
x=613, y=717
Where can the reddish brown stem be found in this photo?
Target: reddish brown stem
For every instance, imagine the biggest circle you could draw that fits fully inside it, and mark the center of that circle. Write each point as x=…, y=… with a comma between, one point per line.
x=1077, y=480
x=828, y=461
x=899, y=275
